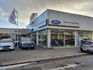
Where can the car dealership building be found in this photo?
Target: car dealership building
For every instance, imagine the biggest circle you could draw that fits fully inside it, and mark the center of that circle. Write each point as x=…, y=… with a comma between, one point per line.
x=56, y=28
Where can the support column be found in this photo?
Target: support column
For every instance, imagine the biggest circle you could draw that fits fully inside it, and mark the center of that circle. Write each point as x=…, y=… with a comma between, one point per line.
x=76, y=38
x=37, y=38
x=92, y=36
x=31, y=36
x=64, y=39
x=48, y=38
x=41, y=39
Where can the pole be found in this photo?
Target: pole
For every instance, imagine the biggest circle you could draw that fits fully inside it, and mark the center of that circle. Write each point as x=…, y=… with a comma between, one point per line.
x=36, y=24
x=17, y=28
x=17, y=33
x=64, y=39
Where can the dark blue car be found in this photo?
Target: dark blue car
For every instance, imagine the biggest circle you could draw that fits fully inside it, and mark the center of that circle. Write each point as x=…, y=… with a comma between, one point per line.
x=26, y=43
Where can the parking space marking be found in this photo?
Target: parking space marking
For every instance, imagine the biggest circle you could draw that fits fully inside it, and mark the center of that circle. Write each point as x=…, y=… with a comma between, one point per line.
x=68, y=66
x=15, y=66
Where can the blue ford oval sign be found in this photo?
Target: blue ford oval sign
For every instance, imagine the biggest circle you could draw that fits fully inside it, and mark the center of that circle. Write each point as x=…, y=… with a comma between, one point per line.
x=55, y=21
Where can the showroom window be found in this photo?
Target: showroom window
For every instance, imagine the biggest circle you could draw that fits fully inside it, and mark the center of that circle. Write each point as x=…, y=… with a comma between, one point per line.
x=61, y=37
x=42, y=38
x=69, y=38
x=57, y=37
x=85, y=35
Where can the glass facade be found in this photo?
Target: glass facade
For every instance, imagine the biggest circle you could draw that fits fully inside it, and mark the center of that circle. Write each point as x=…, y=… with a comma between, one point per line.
x=42, y=38
x=33, y=37
x=62, y=37
x=85, y=35
x=57, y=37
x=69, y=38
x=4, y=35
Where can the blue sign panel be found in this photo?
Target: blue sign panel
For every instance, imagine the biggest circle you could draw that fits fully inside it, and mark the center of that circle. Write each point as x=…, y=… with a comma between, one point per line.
x=32, y=29
x=55, y=21
x=32, y=22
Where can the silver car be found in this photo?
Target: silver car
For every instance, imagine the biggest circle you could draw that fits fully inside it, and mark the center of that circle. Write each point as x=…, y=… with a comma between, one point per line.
x=6, y=44
x=87, y=46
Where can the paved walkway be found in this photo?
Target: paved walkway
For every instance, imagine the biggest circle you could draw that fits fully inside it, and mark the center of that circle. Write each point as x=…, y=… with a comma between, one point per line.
x=19, y=56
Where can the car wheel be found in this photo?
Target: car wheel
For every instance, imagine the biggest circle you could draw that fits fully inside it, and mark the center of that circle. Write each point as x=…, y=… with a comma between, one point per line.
x=81, y=50
x=33, y=48
x=21, y=48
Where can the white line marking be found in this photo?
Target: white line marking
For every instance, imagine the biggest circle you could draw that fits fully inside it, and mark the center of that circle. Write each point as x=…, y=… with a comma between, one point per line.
x=68, y=66
x=15, y=66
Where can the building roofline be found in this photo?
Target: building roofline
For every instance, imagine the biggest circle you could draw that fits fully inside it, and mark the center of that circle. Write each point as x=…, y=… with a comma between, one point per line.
x=69, y=13
x=38, y=16
x=12, y=28
x=61, y=12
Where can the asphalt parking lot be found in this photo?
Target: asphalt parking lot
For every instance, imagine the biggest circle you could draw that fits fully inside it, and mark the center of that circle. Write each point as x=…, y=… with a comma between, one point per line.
x=18, y=55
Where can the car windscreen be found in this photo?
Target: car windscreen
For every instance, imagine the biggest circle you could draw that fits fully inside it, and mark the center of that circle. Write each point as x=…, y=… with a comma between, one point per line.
x=6, y=41
x=87, y=43
x=25, y=40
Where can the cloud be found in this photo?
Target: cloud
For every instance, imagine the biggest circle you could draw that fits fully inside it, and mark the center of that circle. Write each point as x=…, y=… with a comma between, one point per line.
x=26, y=7
x=3, y=15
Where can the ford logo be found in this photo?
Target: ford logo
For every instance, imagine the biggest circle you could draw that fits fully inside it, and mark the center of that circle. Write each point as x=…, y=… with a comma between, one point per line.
x=55, y=21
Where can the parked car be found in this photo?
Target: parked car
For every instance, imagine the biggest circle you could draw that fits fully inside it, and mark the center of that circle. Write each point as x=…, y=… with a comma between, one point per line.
x=6, y=44
x=87, y=46
x=26, y=43
x=70, y=41
x=56, y=42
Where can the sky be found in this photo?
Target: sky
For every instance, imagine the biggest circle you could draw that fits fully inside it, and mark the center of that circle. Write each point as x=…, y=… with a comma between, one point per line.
x=26, y=7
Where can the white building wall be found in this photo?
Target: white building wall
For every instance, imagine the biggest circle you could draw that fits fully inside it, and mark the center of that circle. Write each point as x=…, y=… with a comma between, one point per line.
x=6, y=30
x=49, y=38
x=85, y=23
x=10, y=30
x=76, y=38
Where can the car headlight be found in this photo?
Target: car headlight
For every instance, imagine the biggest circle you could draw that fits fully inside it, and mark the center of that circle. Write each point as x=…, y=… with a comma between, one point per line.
x=32, y=42
x=12, y=45
x=1, y=47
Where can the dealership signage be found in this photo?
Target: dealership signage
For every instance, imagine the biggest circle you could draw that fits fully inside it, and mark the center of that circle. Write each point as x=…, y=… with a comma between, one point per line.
x=71, y=22
x=55, y=22
x=65, y=23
